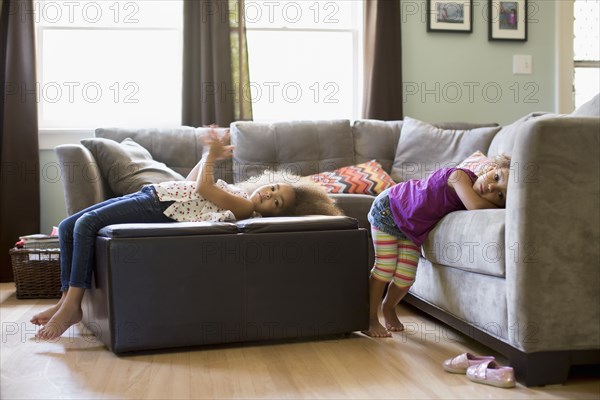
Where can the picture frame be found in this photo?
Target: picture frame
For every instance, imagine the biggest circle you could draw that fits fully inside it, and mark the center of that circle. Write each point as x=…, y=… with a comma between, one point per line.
x=450, y=16
x=507, y=20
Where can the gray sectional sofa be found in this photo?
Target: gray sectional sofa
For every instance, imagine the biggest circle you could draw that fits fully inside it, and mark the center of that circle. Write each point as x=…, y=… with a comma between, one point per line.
x=524, y=280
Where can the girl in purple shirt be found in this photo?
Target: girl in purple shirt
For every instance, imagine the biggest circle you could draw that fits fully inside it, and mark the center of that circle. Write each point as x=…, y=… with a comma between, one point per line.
x=401, y=218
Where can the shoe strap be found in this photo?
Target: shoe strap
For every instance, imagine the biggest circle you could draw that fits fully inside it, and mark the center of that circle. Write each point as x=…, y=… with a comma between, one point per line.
x=481, y=369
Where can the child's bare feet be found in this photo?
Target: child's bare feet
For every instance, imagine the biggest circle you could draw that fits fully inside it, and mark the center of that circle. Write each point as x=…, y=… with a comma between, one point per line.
x=376, y=330
x=45, y=316
x=392, y=323
x=69, y=313
x=66, y=316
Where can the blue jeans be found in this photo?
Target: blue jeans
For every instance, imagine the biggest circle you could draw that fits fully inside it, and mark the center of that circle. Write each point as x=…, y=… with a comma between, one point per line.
x=380, y=216
x=77, y=233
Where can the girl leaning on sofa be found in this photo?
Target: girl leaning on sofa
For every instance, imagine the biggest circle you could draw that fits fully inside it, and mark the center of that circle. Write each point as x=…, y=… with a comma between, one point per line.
x=402, y=216
x=198, y=198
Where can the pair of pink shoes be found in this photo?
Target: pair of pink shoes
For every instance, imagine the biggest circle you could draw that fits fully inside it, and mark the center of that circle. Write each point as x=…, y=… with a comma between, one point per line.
x=481, y=369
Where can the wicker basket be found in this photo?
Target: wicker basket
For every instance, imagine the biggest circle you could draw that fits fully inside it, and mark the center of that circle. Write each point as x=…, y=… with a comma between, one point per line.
x=36, y=273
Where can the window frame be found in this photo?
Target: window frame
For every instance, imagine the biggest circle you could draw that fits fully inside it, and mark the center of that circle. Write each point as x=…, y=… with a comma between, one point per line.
x=565, y=57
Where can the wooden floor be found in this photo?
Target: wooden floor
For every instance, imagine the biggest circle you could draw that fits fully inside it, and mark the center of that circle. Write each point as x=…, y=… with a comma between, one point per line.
x=357, y=367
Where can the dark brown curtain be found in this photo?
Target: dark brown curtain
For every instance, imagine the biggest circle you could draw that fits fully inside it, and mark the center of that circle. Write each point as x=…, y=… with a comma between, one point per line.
x=215, y=66
x=19, y=152
x=383, y=60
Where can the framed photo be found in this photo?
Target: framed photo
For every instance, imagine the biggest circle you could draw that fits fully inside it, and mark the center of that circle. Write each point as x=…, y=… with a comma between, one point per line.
x=507, y=20
x=450, y=16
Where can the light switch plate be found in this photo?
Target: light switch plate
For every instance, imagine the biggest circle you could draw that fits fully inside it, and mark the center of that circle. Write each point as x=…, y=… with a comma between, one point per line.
x=522, y=64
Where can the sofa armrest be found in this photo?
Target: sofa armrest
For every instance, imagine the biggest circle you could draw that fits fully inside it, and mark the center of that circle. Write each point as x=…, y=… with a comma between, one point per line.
x=83, y=184
x=552, y=235
x=355, y=206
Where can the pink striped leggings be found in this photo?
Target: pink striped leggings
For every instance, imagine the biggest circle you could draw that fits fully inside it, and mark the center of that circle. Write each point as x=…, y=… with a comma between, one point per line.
x=396, y=259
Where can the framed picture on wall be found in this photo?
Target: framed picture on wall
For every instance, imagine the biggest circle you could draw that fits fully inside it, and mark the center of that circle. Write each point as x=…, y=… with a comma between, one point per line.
x=507, y=20
x=450, y=16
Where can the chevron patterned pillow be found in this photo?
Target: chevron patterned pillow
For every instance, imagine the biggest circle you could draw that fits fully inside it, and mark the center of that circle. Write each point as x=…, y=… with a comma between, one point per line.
x=476, y=162
x=366, y=178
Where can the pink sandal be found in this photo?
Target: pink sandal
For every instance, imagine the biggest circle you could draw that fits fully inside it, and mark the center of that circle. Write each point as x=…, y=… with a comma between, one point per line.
x=460, y=363
x=491, y=373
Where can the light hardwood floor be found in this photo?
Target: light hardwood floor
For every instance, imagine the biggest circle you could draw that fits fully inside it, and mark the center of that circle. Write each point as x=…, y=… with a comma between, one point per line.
x=357, y=367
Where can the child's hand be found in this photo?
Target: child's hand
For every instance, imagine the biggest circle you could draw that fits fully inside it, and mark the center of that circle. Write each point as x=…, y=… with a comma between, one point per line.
x=219, y=146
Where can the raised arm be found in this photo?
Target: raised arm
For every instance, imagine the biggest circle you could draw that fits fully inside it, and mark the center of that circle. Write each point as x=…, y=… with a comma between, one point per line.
x=460, y=181
x=205, y=180
x=193, y=175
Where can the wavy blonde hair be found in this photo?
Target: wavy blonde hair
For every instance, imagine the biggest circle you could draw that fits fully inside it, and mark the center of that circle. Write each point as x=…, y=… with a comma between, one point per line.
x=311, y=198
x=498, y=161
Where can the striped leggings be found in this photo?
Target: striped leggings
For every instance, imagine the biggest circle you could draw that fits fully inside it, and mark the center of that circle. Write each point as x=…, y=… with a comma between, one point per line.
x=396, y=259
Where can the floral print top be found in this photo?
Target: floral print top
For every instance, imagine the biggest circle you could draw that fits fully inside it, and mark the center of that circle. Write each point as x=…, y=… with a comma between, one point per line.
x=189, y=206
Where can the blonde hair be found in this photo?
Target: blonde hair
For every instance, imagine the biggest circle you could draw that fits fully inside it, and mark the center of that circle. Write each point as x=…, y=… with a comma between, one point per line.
x=498, y=161
x=311, y=198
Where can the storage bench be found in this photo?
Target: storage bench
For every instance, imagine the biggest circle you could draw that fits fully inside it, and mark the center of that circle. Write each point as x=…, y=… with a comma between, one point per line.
x=187, y=284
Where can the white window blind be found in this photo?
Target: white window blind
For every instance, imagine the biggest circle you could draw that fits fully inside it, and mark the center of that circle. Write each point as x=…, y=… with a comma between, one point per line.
x=305, y=59
x=108, y=63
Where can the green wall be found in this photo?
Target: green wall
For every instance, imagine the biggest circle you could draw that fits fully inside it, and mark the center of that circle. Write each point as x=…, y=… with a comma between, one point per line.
x=465, y=77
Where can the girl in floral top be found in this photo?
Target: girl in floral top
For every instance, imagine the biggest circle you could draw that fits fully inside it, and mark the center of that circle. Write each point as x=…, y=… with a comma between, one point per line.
x=198, y=198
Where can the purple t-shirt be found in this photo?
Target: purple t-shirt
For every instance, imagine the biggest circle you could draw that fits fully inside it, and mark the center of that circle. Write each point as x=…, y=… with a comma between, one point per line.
x=418, y=204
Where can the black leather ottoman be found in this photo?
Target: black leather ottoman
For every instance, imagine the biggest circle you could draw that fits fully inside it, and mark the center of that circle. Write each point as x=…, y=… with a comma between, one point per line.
x=187, y=284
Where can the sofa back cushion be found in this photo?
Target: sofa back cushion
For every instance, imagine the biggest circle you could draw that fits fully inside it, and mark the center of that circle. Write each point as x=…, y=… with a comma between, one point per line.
x=376, y=140
x=127, y=166
x=424, y=148
x=179, y=148
x=299, y=147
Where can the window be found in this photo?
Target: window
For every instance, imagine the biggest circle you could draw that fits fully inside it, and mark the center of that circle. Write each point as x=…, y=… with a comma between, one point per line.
x=305, y=59
x=586, y=50
x=108, y=62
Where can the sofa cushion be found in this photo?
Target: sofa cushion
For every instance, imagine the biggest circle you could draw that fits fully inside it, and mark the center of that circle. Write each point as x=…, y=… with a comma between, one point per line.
x=180, y=147
x=479, y=300
x=301, y=148
x=127, y=166
x=365, y=178
x=589, y=109
x=167, y=229
x=296, y=224
x=424, y=148
x=471, y=241
x=374, y=139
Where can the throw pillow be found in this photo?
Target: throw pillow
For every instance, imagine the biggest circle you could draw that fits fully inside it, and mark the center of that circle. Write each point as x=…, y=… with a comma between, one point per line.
x=366, y=178
x=127, y=166
x=589, y=109
x=424, y=148
x=476, y=162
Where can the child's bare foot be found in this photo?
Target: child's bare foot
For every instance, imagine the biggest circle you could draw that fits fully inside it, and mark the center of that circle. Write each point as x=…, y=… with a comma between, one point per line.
x=377, y=330
x=392, y=323
x=66, y=316
x=43, y=317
